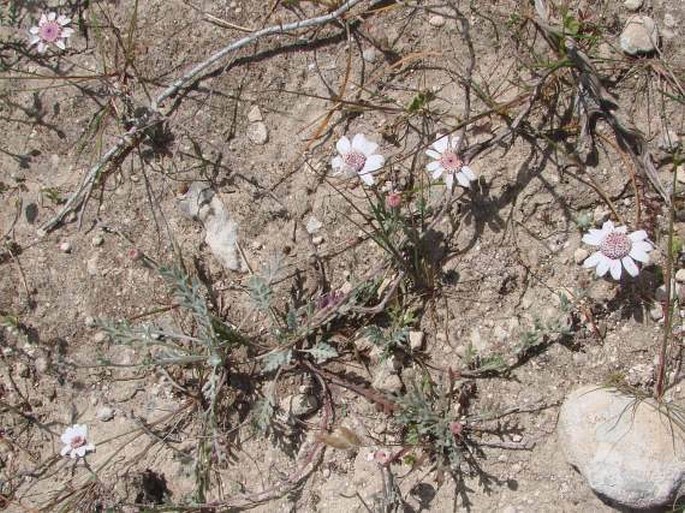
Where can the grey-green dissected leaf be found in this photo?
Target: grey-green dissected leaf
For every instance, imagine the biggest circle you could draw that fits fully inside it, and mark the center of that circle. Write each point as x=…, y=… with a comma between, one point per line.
x=273, y=361
x=260, y=291
x=322, y=352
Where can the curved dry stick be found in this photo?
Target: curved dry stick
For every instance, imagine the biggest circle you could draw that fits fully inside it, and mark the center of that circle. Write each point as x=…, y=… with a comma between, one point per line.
x=79, y=198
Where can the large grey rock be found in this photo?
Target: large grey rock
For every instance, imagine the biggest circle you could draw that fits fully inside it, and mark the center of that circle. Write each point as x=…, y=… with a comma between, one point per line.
x=221, y=235
x=628, y=450
x=640, y=35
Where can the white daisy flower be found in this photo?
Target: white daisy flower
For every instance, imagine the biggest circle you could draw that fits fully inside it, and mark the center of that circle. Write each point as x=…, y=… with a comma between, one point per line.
x=617, y=249
x=448, y=163
x=51, y=30
x=357, y=158
x=75, y=440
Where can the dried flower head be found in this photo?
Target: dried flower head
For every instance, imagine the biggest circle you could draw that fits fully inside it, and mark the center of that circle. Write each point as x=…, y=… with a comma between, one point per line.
x=75, y=440
x=447, y=162
x=357, y=158
x=617, y=249
x=393, y=199
x=51, y=30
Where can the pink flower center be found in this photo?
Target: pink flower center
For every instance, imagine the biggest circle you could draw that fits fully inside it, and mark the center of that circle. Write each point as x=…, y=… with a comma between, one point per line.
x=354, y=161
x=77, y=441
x=616, y=245
x=394, y=200
x=50, y=31
x=450, y=161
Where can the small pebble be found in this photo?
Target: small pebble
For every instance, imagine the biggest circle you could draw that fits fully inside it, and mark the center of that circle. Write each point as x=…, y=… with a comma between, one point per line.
x=640, y=35
x=579, y=255
x=680, y=173
x=254, y=114
x=680, y=276
x=601, y=214
x=65, y=247
x=369, y=55
x=313, y=225
x=632, y=5
x=416, y=340
x=42, y=365
x=669, y=20
x=656, y=313
x=436, y=20
x=105, y=414
x=98, y=240
x=258, y=133
x=318, y=240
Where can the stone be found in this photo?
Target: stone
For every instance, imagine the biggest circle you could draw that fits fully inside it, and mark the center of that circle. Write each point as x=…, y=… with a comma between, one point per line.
x=387, y=381
x=436, y=20
x=258, y=133
x=254, y=114
x=670, y=21
x=656, y=313
x=600, y=214
x=300, y=405
x=313, y=225
x=680, y=276
x=628, y=450
x=318, y=240
x=579, y=255
x=640, y=374
x=65, y=247
x=640, y=35
x=42, y=365
x=221, y=232
x=105, y=414
x=369, y=55
x=98, y=240
x=416, y=340
x=632, y=5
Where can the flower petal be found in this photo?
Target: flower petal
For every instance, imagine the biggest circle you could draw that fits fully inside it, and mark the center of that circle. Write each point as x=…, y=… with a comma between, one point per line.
x=603, y=266
x=607, y=227
x=468, y=173
x=337, y=162
x=343, y=145
x=363, y=145
x=437, y=172
x=33, y=40
x=449, y=181
x=367, y=178
x=616, y=268
x=463, y=181
x=441, y=144
x=639, y=254
x=60, y=44
x=637, y=236
x=621, y=229
x=65, y=450
x=63, y=20
x=67, y=32
x=433, y=154
x=43, y=20
x=454, y=142
x=41, y=46
x=432, y=166
x=80, y=451
x=594, y=237
x=373, y=163
x=592, y=260
x=630, y=266
x=34, y=30
x=52, y=16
